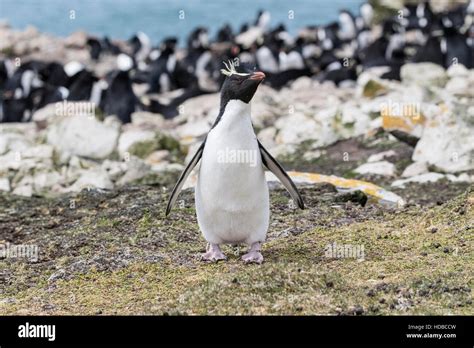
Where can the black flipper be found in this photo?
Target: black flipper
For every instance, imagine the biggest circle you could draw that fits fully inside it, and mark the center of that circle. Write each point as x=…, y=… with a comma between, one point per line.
x=275, y=167
x=184, y=175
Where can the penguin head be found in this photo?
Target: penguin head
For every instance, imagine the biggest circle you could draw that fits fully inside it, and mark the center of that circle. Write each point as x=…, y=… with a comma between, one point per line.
x=239, y=85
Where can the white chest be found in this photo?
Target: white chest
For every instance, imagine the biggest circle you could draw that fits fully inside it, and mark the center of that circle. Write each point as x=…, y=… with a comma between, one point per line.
x=232, y=200
x=231, y=159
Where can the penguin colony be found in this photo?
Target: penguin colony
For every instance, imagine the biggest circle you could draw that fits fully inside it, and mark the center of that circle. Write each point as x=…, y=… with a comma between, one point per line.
x=337, y=52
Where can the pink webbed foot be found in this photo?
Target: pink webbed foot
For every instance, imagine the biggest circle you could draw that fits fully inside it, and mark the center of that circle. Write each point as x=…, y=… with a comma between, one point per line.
x=254, y=255
x=213, y=254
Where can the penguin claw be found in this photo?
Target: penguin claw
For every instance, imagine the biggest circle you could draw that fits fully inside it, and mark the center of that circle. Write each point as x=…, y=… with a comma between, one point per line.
x=253, y=257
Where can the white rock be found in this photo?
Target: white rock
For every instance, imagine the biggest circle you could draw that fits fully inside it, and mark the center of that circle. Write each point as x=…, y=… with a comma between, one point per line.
x=167, y=167
x=77, y=39
x=11, y=160
x=26, y=191
x=83, y=136
x=157, y=157
x=457, y=70
x=372, y=74
x=93, y=178
x=353, y=121
x=147, y=120
x=267, y=136
x=4, y=184
x=422, y=178
x=3, y=145
x=112, y=121
x=136, y=169
x=447, y=144
x=76, y=167
x=114, y=169
x=464, y=177
x=39, y=152
x=282, y=150
x=197, y=108
x=13, y=141
x=458, y=85
x=45, y=115
x=297, y=127
x=423, y=74
x=193, y=129
x=45, y=180
x=130, y=137
x=312, y=155
x=415, y=169
x=376, y=157
x=382, y=168
x=302, y=83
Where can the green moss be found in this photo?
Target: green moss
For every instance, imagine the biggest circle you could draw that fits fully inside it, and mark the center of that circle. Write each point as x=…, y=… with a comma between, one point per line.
x=384, y=9
x=350, y=174
x=8, y=51
x=107, y=222
x=161, y=141
x=373, y=89
x=99, y=114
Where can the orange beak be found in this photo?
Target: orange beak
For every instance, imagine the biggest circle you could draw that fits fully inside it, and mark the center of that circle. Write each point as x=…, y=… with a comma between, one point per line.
x=258, y=75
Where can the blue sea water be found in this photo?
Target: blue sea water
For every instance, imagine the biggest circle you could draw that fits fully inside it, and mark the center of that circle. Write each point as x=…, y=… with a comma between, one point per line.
x=161, y=18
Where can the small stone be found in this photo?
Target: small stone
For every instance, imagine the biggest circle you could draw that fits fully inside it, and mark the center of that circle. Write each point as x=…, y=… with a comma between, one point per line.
x=72, y=135
x=5, y=184
x=424, y=74
x=381, y=156
x=25, y=191
x=414, y=169
x=382, y=168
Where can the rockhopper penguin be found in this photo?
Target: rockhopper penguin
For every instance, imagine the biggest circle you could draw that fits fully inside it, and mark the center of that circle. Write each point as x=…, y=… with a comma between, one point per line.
x=231, y=194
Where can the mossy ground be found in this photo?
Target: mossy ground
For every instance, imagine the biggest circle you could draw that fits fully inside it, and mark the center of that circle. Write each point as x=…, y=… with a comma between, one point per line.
x=114, y=253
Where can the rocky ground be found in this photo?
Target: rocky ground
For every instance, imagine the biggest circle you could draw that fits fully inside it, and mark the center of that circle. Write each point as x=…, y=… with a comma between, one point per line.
x=114, y=253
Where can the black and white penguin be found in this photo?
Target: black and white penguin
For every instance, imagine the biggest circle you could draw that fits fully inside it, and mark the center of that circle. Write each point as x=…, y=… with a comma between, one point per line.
x=225, y=34
x=7, y=69
x=347, y=26
x=17, y=95
x=141, y=48
x=118, y=97
x=455, y=45
x=53, y=74
x=430, y=52
x=98, y=47
x=232, y=198
x=80, y=85
x=364, y=25
x=95, y=48
x=162, y=68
